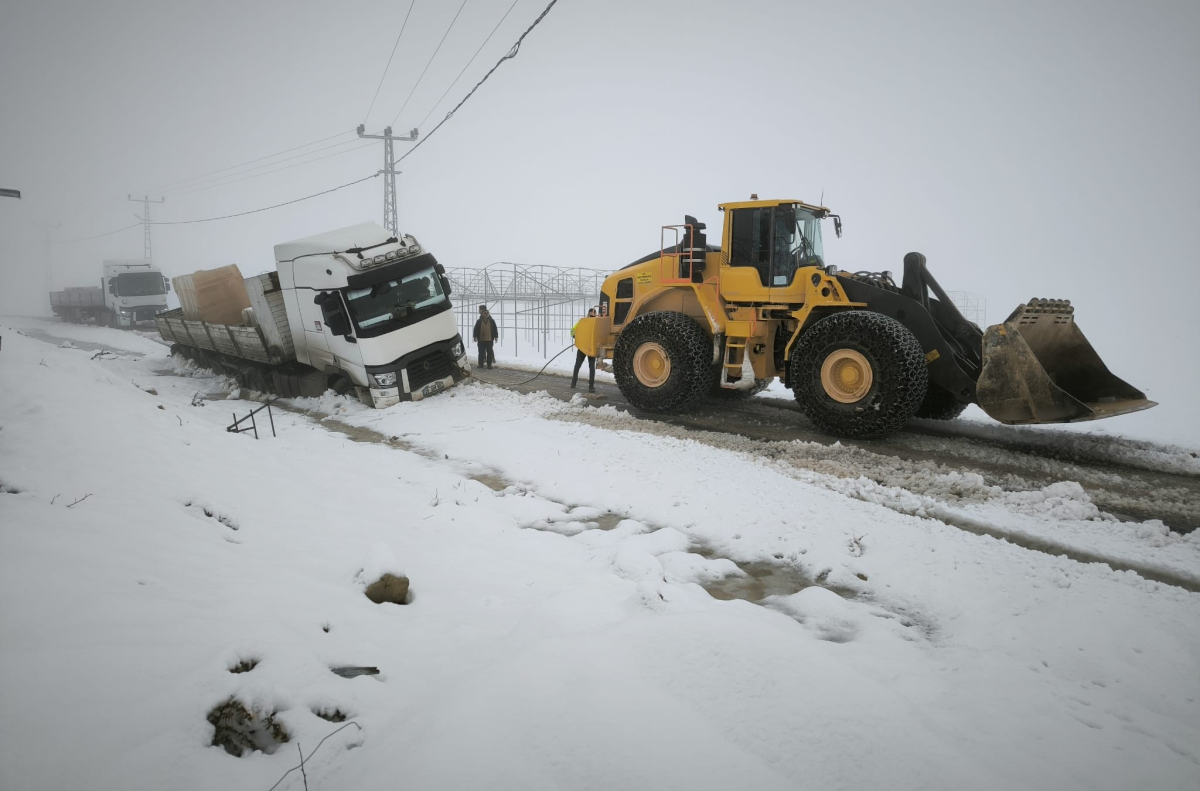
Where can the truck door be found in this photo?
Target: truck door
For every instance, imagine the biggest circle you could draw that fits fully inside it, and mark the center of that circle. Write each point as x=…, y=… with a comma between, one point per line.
x=340, y=344
x=748, y=276
x=313, y=321
x=339, y=336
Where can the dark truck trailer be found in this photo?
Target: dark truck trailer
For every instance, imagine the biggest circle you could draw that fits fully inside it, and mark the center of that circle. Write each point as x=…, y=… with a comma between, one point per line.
x=80, y=305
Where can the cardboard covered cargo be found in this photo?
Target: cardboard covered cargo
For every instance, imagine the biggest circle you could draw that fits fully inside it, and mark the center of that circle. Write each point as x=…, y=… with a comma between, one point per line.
x=217, y=296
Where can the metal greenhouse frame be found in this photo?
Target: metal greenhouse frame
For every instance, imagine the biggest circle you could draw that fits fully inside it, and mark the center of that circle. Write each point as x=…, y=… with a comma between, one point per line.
x=534, y=306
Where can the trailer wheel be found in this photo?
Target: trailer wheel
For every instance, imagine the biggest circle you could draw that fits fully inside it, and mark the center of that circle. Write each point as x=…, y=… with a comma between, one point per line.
x=663, y=362
x=858, y=374
x=939, y=404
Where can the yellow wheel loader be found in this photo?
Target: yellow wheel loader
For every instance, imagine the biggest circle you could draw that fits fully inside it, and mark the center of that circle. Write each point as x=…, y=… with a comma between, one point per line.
x=861, y=353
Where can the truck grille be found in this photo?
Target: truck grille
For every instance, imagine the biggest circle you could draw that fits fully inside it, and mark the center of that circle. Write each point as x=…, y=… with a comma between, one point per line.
x=145, y=314
x=430, y=368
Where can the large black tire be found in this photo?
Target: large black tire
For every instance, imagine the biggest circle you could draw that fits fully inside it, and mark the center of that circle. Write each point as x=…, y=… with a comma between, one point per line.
x=939, y=404
x=897, y=369
x=687, y=348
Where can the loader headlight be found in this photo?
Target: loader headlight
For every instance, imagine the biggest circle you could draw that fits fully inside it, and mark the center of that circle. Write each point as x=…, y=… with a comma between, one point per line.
x=457, y=350
x=385, y=379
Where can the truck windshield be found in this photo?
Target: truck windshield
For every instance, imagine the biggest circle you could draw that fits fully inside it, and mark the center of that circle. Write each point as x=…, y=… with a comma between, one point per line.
x=139, y=284
x=395, y=300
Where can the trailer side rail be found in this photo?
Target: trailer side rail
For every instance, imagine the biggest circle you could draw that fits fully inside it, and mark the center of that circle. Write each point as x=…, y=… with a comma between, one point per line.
x=242, y=342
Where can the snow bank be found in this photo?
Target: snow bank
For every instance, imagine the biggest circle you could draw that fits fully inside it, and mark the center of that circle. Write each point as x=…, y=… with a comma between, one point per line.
x=532, y=659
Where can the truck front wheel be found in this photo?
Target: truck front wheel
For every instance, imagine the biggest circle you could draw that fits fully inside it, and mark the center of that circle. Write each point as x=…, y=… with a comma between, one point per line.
x=663, y=362
x=858, y=374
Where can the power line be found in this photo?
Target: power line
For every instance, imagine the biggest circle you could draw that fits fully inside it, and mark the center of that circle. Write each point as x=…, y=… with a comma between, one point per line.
x=430, y=63
x=268, y=208
x=212, y=181
x=161, y=187
x=389, y=63
x=97, y=236
x=512, y=53
x=269, y=172
x=472, y=60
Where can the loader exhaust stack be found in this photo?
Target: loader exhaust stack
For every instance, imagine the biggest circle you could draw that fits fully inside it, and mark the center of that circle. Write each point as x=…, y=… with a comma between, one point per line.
x=1039, y=368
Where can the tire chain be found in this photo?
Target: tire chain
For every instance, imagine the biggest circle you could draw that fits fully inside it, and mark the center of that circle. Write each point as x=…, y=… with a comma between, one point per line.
x=689, y=347
x=899, y=372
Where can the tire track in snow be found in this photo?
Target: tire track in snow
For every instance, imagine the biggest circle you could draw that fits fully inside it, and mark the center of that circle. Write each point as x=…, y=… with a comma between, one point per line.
x=924, y=489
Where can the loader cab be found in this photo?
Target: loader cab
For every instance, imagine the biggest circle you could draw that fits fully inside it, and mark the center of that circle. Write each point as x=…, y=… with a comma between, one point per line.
x=767, y=243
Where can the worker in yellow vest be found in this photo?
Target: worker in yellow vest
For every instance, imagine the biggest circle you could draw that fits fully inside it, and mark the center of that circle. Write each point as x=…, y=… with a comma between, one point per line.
x=579, y=355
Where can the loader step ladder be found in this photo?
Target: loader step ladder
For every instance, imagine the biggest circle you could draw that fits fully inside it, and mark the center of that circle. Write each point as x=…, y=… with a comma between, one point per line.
x=735, y=356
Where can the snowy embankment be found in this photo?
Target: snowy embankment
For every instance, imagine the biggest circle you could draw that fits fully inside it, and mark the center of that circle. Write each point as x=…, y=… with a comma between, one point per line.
x=538, y=651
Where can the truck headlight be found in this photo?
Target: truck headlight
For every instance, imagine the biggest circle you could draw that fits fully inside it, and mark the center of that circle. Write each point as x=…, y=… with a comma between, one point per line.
x=457, y=351
x=385, y=379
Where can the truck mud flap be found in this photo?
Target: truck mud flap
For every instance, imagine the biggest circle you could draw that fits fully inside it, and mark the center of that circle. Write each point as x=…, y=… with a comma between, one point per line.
x=1039, y=368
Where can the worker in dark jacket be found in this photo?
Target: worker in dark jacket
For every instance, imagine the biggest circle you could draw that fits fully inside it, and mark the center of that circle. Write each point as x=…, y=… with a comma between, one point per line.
x=486, y=333
x=579, y=356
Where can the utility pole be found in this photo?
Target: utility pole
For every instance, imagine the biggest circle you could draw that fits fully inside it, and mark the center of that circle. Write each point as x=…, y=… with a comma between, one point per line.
x=146, y=201
x=46, y=243
x=391, y=222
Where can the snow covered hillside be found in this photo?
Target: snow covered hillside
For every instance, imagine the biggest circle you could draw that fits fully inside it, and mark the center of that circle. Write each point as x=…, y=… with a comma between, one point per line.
x=595, y=603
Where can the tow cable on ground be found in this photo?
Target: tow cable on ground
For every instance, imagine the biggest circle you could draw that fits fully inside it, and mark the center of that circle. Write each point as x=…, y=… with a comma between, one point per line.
x=544, y=367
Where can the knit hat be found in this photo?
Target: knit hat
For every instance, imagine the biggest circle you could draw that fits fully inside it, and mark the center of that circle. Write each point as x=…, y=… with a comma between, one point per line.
x=483, y=308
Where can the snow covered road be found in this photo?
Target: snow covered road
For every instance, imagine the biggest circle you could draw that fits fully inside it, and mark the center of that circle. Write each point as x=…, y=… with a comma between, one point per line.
x=540, y=649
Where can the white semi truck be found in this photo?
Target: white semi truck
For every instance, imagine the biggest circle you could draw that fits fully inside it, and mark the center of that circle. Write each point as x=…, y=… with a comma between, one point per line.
x=352, y=308
x=131, y=292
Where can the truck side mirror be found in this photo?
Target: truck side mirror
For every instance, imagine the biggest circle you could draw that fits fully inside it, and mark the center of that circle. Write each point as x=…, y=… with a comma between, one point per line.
x=166, y=284
x=445, y=284
x=112, y=286
x=331, y=311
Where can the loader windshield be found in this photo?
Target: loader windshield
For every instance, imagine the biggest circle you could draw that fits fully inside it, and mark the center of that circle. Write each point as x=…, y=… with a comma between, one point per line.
x=797, y=243
x=806, y=246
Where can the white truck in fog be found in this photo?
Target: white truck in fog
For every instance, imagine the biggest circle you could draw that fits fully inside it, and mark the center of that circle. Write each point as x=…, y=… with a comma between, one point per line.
x=348, y=309
x=131, y=292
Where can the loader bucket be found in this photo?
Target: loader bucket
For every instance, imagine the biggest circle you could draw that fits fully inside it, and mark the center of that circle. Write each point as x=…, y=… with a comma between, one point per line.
x=1039, y=368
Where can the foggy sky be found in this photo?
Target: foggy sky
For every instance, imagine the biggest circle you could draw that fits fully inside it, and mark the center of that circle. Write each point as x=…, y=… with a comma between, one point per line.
x=1028, y=149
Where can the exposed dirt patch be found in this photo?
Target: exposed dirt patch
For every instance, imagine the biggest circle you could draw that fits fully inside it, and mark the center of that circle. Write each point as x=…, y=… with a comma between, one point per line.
x=331, y=715
x=239, y=729
x=490, y=480
x=244, y=665
x=211, y=514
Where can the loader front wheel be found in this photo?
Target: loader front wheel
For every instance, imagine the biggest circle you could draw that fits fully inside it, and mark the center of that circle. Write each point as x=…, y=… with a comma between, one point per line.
x=858, y=374
x=663, y=362
x=940, y=404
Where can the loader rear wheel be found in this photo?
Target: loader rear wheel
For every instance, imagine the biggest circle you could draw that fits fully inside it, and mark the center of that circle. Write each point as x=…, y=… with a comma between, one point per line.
x=858, y=374
x=940, y=404
x=663, y=362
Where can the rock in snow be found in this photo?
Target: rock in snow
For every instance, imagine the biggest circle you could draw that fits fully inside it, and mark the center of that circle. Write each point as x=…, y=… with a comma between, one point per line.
x=384, y=577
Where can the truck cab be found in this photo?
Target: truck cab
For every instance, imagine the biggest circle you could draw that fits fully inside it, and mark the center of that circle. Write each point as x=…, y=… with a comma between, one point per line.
x=134, y=291
x=374, y=309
